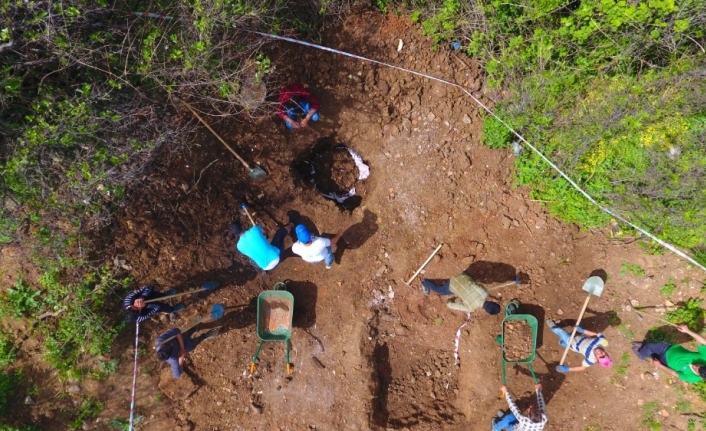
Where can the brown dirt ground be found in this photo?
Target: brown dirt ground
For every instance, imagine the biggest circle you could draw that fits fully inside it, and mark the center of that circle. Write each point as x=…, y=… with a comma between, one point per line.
x=369, y=352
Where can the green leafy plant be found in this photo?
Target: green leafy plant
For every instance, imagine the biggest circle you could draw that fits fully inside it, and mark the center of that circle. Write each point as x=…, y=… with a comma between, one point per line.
x=89, y=409
x=650, y=416
x=124, y=425
x=691, y=314
x=621, y=367
x=629, y=268
x=657, y=335
x=7, y=349
x=20, y=300
x=669, y=288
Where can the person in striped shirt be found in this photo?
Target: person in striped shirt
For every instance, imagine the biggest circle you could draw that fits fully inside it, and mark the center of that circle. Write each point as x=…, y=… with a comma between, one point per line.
x=534, y=419
x=589, y=344
x=136, y=310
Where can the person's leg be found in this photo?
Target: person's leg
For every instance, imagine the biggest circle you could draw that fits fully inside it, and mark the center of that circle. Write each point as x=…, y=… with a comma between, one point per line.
x=329, y=258
x=653, y=350
x=203, y=337
x=280, y=235
x=563, y=335
x=439, y=289
x=291, y=112
x=505, y=423
x=306, y=106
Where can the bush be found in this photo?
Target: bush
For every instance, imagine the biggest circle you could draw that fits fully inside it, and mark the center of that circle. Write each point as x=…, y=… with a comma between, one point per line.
x=8, y=386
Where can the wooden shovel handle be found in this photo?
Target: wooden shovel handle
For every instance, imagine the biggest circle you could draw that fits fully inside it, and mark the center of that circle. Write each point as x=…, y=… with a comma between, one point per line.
x=176, y=295
x=658, y=318
x=578, y=322
x=237, y=156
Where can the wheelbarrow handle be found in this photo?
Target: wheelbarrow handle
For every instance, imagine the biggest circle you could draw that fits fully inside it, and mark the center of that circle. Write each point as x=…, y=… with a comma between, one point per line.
x=253, y=367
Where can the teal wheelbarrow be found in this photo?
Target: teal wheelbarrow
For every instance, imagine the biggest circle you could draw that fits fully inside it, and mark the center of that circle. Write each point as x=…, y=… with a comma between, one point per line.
x=275, y=309
x=511, y=316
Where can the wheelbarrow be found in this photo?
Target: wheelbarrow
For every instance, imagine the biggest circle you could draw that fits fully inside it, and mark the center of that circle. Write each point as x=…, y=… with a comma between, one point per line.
x=275, y=309
x=510, y=316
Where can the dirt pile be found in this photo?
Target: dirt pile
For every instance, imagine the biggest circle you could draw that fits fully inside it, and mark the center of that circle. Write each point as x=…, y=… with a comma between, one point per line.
x=335, y=171
x=517, y=340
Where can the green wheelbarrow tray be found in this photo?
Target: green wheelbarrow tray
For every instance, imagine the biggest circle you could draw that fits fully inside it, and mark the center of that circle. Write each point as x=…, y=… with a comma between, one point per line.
x=275, y=309
x=532, y=322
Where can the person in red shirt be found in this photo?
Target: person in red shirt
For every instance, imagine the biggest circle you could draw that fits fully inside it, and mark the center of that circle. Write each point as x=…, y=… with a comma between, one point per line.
x=296, y=101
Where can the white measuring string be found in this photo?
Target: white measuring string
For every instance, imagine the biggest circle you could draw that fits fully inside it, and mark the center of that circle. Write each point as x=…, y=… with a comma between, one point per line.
x=520, y=137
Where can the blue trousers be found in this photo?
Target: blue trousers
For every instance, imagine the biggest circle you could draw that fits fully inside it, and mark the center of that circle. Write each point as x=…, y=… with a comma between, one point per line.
x=655, y=351
x=440, y=289
x=294, y=110
x=329, y=257
x=506, y=423
x=563, y=335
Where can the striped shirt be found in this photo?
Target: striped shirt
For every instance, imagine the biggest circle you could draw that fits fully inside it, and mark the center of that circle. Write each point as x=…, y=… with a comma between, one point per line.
x=586, y=346
x=148, y=310
x=472, y=294
x=525, y=423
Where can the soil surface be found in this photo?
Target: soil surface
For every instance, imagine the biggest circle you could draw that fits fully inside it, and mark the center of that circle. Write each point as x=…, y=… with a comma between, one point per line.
x=335, y=171
x=368, y=351
x=517, y=340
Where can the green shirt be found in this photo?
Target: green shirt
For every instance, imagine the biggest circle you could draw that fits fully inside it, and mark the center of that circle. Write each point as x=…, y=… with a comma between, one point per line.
x=472, y=294
x=679, y=359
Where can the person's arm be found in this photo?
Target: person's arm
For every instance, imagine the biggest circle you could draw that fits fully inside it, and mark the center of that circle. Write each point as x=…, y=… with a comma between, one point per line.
x=338, y=236
x=511, y=402
x=540, y=399
x=182, y=349
x=698, y=337
x=136, y=295
x=566, y=368
x=664, y=368
x=584, y=331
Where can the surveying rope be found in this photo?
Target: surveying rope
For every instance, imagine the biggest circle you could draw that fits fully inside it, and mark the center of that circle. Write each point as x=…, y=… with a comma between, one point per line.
x=486, y=109
x=134, y=377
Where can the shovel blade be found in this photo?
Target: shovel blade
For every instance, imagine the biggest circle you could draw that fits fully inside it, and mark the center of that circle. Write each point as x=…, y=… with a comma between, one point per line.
x=210, y=285
x=257, y=173
x=594, y=286
x=217, y=311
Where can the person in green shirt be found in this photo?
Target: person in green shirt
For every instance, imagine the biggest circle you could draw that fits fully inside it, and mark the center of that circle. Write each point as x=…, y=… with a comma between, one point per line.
x=675, y=360
x=471, y=295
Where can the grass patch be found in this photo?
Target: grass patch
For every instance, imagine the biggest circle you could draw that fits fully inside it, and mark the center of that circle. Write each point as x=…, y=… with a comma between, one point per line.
x=650, y=416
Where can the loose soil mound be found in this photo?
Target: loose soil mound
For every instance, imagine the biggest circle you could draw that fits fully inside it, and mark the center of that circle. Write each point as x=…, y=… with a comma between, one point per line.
x=517, y=340
x=276, y=316
x=335, y=171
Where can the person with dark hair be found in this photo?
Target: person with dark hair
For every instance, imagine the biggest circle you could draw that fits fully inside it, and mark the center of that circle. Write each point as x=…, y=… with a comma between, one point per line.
x=534, y=419
x=173, y=346
x=253, y=242
x=295, y=101
x=471, y=295
x=136, y=310
x=314, y=249
x=675, y=360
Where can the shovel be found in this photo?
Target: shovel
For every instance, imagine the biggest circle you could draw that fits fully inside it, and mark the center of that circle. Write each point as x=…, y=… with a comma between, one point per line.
x=217, y=312
x=247, y=213
x=594, y=287
x=422, y=267
x=206, y=287
x=254, y=172
x=640, y=313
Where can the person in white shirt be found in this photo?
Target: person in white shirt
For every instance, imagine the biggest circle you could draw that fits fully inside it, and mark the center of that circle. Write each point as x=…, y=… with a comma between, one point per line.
x=314, y=249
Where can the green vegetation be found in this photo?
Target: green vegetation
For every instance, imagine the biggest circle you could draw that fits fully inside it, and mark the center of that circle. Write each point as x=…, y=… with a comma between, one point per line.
x=657, y=335
x=630, y=268
x=668, y=288
x=8, y=386
x=650, y=416
x=621, y=366
x=691, y=314
x=89, y=409
x=608, y=90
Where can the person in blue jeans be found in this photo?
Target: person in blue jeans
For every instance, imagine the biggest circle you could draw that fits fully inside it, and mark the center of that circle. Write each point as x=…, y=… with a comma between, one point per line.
x=589, y=344
x=253, y=242
x=297, y=106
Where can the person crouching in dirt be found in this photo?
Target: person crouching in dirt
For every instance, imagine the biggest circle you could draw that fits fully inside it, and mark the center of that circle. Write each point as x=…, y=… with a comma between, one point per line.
x=296, y=101
x=590, y=344
x=471, y=295
x=674, y=359
x=173, y=346
x=314, y=249
x=136, y=310
x=534, y=419
x=253, y=242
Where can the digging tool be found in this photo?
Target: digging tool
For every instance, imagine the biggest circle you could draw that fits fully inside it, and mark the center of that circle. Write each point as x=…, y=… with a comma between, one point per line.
x=431, y=256
x=594, y=287
x=515, y=281
x=247, y=213
x=206, y=287
x=217, y=312
x=640, y=313
x=254, y=172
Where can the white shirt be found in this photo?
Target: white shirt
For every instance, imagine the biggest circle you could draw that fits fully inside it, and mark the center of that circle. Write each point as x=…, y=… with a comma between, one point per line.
x=314, y=252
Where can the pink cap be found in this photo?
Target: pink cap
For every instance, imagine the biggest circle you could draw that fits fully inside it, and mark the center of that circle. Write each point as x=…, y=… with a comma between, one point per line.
x=605, y=361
